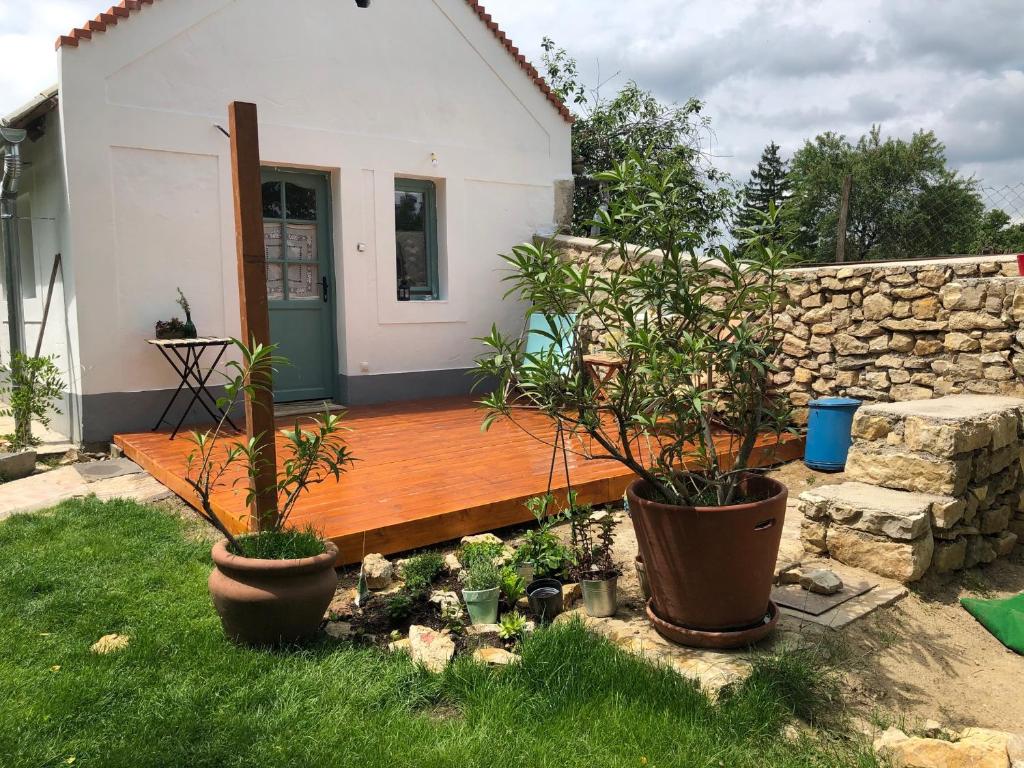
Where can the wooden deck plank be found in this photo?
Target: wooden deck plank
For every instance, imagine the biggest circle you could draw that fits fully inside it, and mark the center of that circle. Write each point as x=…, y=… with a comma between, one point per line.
x=426, y=474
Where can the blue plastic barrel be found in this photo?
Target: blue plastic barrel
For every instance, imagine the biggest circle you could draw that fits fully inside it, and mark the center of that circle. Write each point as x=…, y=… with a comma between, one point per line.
x=829, y=423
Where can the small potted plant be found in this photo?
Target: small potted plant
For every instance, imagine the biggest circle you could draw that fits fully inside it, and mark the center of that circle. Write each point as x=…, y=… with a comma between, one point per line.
x=31, y=389
x=481, y=589
x=593, y=566
x=273, y=585
x=541, y=554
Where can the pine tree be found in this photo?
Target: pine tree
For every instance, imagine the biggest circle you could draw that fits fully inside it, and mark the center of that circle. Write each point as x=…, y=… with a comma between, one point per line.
x=769, y=183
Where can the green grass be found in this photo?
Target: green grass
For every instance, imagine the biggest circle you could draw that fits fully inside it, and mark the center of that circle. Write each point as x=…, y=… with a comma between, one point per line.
x=290, y=544
x=181, y=695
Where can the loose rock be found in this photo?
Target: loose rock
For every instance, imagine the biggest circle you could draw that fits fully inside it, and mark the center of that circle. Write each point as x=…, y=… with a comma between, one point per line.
x=377, y=571
x=821, y=581
x=430, y=648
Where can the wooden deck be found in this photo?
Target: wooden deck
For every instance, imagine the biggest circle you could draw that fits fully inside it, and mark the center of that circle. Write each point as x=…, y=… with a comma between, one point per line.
x=425, y=474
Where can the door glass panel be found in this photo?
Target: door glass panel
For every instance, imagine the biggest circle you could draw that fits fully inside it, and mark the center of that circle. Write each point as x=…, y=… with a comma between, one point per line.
x=272, y=200
x=411, y=234
x=275, y=283
x=273, y=252
x=303, y=282
x=301, y=242
x=301, y=202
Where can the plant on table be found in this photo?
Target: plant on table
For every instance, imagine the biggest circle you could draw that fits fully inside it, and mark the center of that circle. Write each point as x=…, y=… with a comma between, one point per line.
x=31, y=389
x=481, y=588
x=313, y=452
x=695, y=329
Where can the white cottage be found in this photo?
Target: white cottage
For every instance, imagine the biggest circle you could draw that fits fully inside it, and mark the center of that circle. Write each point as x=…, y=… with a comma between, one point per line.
x=405, y=145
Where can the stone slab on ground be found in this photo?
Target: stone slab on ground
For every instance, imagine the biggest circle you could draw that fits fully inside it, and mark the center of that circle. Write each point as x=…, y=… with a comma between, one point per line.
x=799, y=599
x=883, y=511
x=92, y=471
x=48, y=489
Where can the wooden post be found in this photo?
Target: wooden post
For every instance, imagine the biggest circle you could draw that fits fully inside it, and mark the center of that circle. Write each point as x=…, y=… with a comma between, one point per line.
x=252, y=299
x=844, y=212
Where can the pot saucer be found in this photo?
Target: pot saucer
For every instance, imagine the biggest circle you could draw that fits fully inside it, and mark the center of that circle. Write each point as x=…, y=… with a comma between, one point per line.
x=699, y=638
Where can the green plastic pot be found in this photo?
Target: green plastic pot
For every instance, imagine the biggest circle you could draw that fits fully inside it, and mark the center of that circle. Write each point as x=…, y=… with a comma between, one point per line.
x=482, y=605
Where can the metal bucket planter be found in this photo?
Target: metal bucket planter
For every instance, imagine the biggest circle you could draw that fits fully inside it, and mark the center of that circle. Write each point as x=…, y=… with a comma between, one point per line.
x=600, y=596
x=526, y=571
x=545, y=598
x=482, y=605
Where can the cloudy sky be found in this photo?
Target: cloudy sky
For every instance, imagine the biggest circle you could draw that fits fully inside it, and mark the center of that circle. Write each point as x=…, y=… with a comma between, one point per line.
x=782, y=70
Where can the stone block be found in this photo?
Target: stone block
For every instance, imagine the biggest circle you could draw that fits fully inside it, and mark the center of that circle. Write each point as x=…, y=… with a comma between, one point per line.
x=994, y=519
x=904, y=561
x=881, y=511
x=945, y=437
x=949, y=555
x=910, y=392
x=908, y=471
x=979, y=551
x=1004, y=543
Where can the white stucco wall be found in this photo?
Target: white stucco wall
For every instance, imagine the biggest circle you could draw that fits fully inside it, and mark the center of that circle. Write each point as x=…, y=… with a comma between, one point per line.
x=361, y=94
x=42, y=211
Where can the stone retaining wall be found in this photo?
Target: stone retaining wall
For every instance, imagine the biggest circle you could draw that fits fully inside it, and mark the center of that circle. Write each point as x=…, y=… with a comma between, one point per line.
x=903, y=331
x=890, y=331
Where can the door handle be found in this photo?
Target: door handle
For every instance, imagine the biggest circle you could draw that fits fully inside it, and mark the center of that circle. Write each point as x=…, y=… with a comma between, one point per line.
x=324, y=285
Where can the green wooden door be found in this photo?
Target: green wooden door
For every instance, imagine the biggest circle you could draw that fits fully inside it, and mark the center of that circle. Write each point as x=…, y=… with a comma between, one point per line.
x=300, y=285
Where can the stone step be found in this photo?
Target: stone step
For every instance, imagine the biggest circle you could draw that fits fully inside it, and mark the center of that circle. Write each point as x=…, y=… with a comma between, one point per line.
x=901, y=515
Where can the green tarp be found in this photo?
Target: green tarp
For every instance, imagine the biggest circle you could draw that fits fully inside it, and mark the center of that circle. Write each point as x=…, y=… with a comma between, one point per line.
x=1003, y=618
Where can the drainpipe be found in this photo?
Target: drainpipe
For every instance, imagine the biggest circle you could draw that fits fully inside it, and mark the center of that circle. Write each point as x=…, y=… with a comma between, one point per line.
x=9, y=231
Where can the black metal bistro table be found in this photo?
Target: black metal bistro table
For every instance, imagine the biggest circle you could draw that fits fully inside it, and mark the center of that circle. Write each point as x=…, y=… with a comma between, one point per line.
x=184, y=355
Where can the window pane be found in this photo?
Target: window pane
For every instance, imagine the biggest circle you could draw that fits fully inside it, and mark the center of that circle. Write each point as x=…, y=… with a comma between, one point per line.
x=411, y=239
x=301, y=242
x=272, y=200
x=303, y=282
x=301, y=202
x=275, y=283
x=272, y=242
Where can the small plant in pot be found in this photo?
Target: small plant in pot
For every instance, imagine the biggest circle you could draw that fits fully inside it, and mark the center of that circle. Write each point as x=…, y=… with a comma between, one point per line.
x=593, y=566
x=541, y=553
x=273, y=585
x=31, y=388
x=481, y=589
x=696, y=331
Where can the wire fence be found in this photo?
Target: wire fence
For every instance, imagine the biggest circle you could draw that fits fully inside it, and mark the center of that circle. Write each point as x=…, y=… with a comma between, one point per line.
x=876, y=222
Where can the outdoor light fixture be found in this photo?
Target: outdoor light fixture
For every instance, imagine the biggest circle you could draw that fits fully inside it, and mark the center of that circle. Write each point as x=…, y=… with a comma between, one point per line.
x=363, y=3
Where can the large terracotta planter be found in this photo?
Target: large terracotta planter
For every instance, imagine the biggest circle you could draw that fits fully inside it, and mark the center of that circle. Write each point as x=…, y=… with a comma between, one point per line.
x=710, y=569
x=266, y=602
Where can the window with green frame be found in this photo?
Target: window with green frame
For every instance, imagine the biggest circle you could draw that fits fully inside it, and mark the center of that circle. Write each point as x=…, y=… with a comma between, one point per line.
x=416, y=238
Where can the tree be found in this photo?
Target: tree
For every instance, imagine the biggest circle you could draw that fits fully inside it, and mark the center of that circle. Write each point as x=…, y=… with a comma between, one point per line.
x=769, y=187
x=635, y=122
x=905, y=201
x=998, y=235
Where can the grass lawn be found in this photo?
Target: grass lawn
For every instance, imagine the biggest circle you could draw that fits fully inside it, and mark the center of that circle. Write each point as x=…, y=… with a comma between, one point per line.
x=181, y=695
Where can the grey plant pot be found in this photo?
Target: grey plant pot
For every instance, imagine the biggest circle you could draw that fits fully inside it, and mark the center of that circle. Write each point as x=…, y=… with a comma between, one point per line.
x=14, y=466
x=482, y=605
x=600, y=596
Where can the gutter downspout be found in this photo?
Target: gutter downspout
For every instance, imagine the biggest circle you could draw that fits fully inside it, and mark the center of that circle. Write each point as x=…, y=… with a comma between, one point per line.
x=9, y=231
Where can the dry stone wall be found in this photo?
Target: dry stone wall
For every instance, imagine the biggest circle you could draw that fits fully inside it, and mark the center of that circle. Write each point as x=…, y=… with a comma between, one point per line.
x=903, y=331
x=933, y=486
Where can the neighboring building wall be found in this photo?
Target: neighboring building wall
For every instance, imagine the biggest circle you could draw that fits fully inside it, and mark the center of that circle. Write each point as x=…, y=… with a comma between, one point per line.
x=43, y=213
x=890, y=331
x=362, y=94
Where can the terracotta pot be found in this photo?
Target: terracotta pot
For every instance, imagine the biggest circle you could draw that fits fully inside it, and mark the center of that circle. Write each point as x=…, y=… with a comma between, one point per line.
x=710, y=569
x=266, y=602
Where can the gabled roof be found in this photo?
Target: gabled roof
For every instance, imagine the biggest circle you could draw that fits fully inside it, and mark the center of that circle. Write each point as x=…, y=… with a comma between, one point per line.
x=123, y=10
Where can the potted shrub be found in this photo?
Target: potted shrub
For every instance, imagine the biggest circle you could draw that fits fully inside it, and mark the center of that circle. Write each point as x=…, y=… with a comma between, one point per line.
x=273, y=585
x=694, y=327
x=593, y=566
x=31, y=390
x=481, y=589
